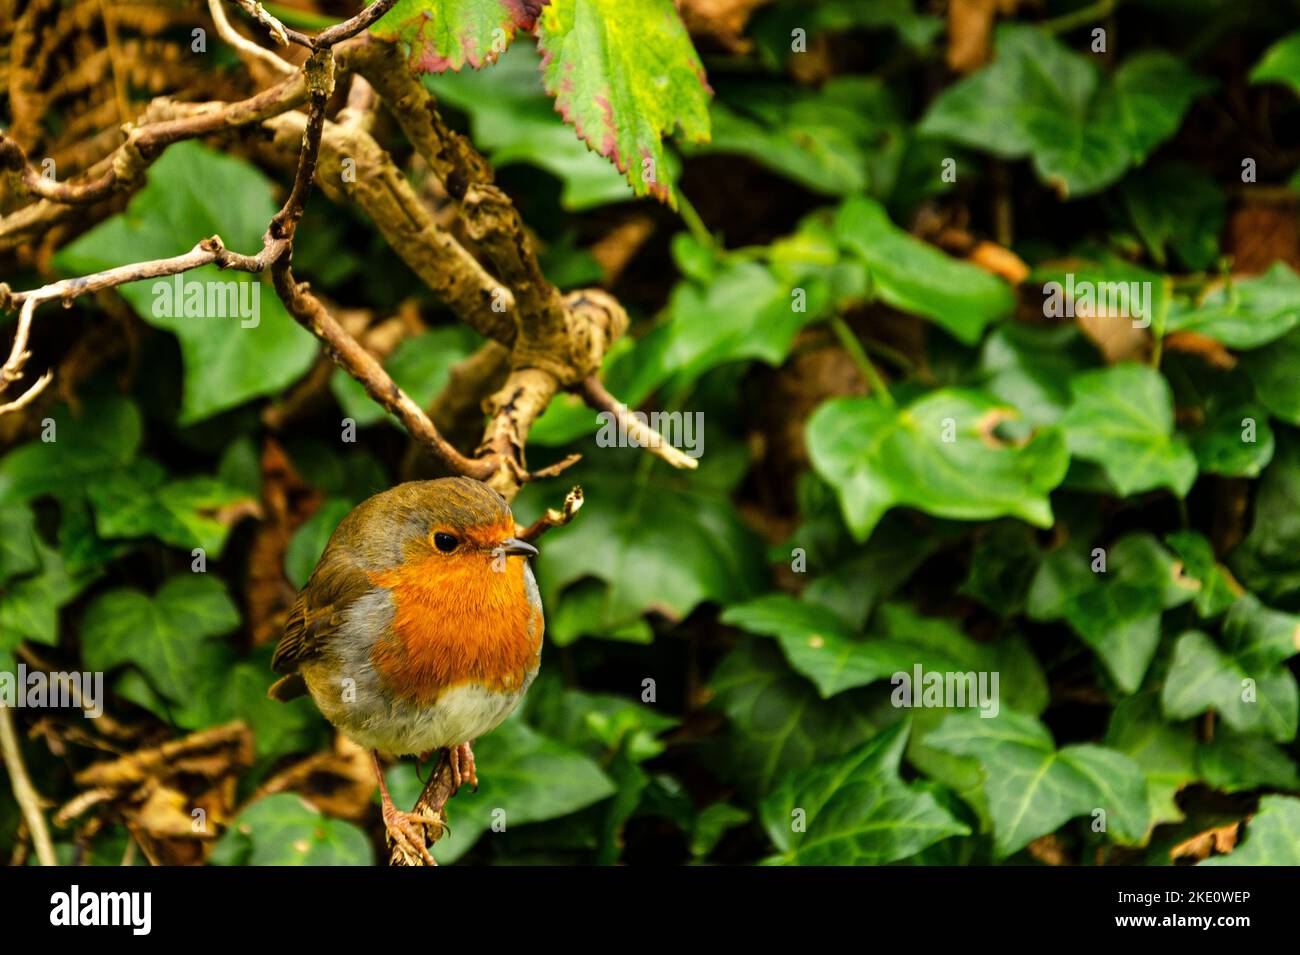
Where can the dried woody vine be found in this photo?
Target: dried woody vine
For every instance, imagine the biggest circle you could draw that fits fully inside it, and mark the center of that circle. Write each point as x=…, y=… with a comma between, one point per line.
x=554, y=342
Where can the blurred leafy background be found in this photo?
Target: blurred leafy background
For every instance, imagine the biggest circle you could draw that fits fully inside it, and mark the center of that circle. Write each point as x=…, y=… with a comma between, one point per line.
x=720, y=642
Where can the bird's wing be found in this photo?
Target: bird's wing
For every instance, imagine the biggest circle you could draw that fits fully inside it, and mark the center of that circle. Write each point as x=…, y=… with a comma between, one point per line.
x=317, y=614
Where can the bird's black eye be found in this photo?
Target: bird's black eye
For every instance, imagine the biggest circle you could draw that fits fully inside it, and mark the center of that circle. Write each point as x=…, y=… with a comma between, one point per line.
x=445, y=542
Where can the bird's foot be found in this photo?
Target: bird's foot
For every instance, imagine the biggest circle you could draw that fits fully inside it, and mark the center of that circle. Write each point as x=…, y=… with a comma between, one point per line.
x=462, y=766
x=409, y=832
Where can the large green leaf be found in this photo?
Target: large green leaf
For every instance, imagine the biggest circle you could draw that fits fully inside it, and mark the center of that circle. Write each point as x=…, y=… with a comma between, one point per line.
x=1272, y=836
x=102, y=438
x=195, y=192
x=1033, y=788
x=162, y=635
x=1039, y=99
x=1272, y=370
x=625, y=75
x=1202, y=676
x=1122, y=418
x=942, y=454
x=915, y=277
x=778, y=722
x=855, y=810
x=283, y=830
x=139, y=501
x=1166, y=753
x=447, y=34
x=661, y=541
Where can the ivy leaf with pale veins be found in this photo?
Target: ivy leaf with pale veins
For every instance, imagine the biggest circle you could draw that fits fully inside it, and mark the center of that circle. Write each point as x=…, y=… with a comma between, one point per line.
x=625, y=75
x=857, y=809
x=1122, y=418
x=1202, y=676
x=942, y=454
x=442, y=35
x=161, y=634
x=1033, y=788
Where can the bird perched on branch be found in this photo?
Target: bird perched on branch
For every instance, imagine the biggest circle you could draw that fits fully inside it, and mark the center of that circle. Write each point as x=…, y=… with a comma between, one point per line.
x=419, y=630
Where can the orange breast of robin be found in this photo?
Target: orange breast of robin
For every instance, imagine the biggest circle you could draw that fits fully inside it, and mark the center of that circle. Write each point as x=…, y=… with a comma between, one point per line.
x=457, y=621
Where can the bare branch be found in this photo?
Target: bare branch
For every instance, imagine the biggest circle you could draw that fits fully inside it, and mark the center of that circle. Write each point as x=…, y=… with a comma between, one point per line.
x=594, y=393
x=29, y=800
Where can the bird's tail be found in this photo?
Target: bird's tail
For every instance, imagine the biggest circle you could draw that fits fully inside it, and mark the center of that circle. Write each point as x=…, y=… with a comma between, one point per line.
x=287, y=688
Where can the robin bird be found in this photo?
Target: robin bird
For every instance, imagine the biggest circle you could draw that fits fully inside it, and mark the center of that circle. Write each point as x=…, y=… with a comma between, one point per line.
x=420, y=629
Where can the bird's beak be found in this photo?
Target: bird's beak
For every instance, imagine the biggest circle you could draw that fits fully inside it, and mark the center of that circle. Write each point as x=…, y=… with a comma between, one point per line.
x=516, y=546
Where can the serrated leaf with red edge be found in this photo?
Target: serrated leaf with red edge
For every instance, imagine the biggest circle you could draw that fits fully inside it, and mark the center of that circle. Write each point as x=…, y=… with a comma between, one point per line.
x=443, y=35
x=624, y=74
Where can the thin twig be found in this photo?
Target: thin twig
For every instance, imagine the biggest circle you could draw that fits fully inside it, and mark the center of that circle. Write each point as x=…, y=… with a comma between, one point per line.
x=29, y=800
x=573, y=502
x=594, y=393
x=246, y=46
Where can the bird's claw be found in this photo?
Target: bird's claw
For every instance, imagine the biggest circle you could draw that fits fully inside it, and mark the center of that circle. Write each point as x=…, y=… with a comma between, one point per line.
x=409, y=833
x=462, y=766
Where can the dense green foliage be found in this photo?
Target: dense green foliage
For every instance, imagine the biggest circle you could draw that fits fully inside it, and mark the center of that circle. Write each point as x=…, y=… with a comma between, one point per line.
x=908, y=459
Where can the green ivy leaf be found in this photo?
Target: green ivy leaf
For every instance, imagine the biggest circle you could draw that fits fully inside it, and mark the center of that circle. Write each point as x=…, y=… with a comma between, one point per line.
x=625, y=75
x=779, y=723
x=1041, y=100
x=915, y=277
x=856, y=809
x=1033, y=788
x=448, y=34
x=103, y=437
x=29, y=606
x=283, y=830
x=1176, y=209
x=195, y=192
x=1166, y=753
x=1234, y=762
x=878, y=457
x=1218, y=590
x=1272, y=836
x=162, y=635
x=139, y=501
x=660, y=541
x=820, y=139
x=1272, y=370
x=1280, y=63
x=18, y=554
x=1246, y=314
x=1202, y=676
x=1122, y=418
